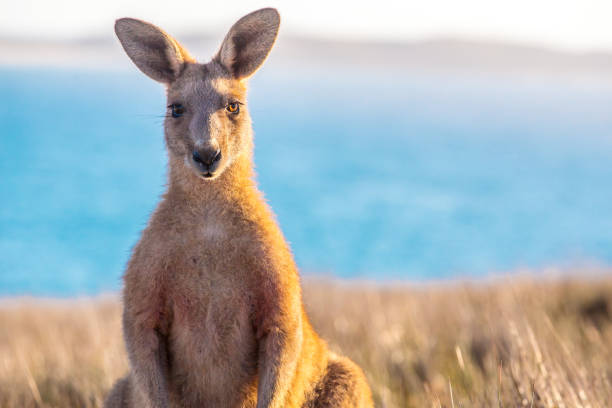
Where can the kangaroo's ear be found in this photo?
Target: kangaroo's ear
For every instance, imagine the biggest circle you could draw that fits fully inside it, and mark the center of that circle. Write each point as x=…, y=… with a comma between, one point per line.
x=248, y=42
x=153, y=51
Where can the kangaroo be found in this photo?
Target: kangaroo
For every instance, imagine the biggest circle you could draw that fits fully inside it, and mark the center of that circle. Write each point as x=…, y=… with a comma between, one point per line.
x=213, y=314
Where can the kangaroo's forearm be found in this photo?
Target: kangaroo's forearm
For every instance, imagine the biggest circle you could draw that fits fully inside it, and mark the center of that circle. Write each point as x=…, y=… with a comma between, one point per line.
x=147, y=352
x=278, y=355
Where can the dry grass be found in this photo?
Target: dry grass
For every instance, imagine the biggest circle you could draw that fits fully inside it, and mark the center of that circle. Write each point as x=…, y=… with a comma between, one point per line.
x=504, y=344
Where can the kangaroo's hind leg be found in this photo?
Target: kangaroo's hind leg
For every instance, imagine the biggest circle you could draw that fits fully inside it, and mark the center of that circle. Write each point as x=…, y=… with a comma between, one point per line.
x=343, y=386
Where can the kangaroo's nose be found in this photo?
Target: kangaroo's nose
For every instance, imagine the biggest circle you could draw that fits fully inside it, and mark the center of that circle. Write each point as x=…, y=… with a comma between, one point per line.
x=206, y=157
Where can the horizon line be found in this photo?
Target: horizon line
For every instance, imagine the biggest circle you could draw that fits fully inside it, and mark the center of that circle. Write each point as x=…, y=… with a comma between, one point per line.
x=194, y=36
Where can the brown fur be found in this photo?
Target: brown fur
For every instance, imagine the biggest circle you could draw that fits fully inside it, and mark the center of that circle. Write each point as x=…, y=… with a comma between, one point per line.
x=213, y=314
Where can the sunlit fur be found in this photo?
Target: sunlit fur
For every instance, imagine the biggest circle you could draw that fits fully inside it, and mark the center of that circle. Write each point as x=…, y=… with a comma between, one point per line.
x=213, y=313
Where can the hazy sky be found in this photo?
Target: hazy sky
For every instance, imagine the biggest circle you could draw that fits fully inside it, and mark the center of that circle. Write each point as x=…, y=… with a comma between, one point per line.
x=573, y=24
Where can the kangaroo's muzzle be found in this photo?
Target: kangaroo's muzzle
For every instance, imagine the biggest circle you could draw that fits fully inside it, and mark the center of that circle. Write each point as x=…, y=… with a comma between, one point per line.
x=206, y=160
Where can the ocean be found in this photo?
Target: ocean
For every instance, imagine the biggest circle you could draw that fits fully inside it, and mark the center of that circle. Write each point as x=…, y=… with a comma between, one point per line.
x=381, y=176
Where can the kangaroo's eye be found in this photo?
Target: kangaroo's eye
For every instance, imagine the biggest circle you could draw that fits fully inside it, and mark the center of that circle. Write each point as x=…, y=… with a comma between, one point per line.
x=233, y=107
x=177, y=110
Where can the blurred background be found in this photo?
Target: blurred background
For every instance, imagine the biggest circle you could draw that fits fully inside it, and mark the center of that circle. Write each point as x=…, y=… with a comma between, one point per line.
x=395, y=140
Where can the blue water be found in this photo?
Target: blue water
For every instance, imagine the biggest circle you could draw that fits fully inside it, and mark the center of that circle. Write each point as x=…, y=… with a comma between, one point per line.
x=417, y=177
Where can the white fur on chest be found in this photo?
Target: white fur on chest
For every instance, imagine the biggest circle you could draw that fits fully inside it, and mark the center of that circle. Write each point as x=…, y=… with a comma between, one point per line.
x=213, y=231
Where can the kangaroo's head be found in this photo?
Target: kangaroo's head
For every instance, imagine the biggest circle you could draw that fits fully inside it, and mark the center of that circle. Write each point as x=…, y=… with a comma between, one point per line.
x=207, y=124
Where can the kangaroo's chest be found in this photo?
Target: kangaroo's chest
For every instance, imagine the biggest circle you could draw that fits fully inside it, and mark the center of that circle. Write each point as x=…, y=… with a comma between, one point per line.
x=211, y=323
x=211, y=336
x=210, y=284
x=212, y=302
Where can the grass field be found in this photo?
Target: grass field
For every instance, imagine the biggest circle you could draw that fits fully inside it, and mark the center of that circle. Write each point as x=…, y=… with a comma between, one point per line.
x=508, y=343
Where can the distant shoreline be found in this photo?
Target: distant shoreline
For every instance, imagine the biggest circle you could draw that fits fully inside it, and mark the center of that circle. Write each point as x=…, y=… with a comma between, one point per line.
x=427, y=56
x=546, y=277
